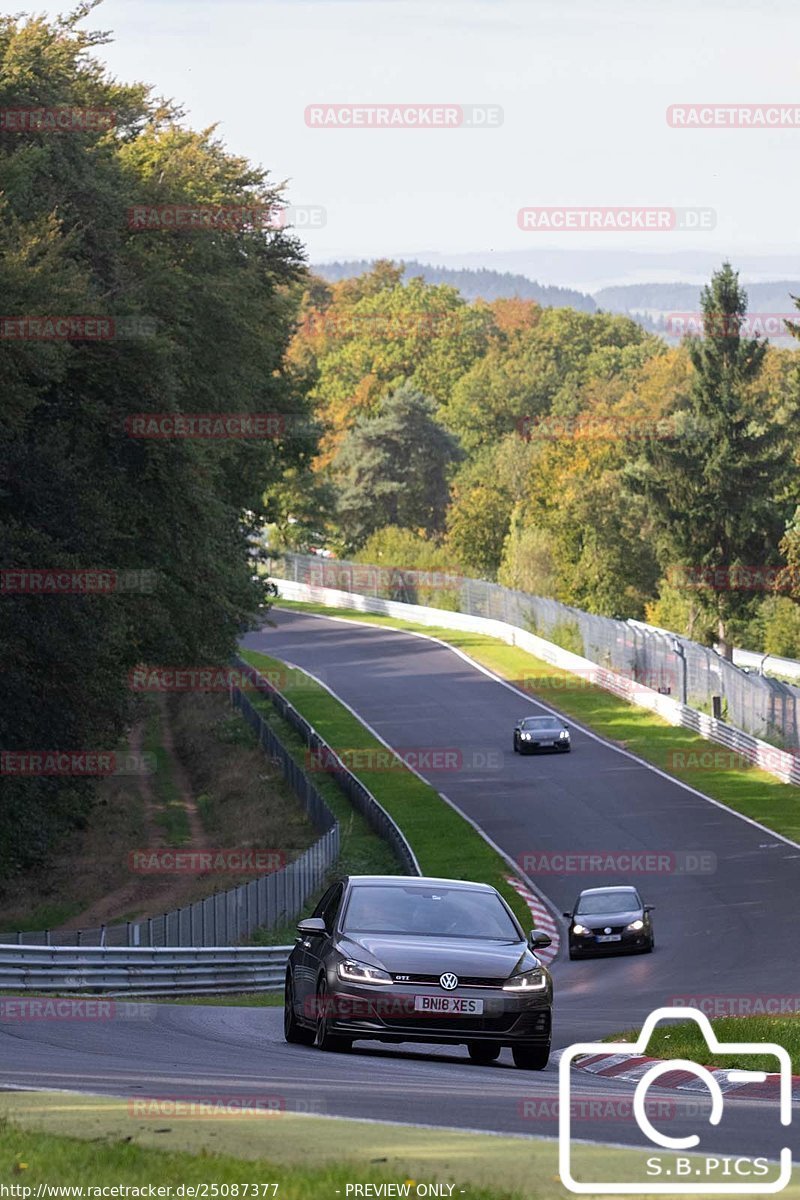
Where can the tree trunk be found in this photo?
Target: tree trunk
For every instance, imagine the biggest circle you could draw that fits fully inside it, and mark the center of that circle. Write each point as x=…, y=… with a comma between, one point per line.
x=725, y=647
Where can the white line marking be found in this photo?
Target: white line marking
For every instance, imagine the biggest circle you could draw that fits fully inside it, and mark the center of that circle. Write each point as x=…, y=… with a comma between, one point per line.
x=596, y=737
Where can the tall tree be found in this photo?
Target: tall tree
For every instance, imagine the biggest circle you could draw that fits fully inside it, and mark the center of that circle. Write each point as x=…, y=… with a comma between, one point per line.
x=393, y=468
x=210, y=314
x=716, y=486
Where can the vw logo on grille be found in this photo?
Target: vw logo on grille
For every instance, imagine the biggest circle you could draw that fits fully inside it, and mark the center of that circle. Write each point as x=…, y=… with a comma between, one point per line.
x=607, y=929
x=448, y=981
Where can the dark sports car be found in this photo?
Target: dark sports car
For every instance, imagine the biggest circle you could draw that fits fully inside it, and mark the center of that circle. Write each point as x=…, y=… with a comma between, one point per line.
x=408, y=959
x=540, y=733
x=610, y=920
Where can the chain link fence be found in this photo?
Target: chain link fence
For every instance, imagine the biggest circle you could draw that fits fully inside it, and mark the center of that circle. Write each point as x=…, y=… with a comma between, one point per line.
x=757, y=704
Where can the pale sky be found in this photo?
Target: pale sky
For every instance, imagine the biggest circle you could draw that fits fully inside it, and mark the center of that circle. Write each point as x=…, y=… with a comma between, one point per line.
x=584, y=86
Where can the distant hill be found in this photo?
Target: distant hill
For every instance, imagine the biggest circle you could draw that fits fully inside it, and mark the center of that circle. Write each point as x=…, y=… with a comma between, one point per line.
x=685, y=297
x=472, y=284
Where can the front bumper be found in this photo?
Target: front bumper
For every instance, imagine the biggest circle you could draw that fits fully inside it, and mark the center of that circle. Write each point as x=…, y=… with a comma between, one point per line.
x=630, y=941
x=508, y=1018
x=542, y=747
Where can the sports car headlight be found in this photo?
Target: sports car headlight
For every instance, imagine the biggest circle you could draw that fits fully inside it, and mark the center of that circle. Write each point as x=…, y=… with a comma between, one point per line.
x=528, y=981
x=635, y=925
x=580, y=929
x=352, y=971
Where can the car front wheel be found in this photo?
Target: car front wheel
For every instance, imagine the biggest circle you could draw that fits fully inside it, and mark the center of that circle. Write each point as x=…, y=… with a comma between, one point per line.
x=293, y=1031
x=531, y=1058
x=323, y=1038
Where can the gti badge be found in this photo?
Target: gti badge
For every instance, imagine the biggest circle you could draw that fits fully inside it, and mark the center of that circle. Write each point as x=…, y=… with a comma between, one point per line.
x=448, y=981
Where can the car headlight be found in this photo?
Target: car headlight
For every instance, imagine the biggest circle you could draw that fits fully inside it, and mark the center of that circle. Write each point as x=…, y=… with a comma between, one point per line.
x=580, y=929
x=636, y=925
x=564, y=735
x=526, y=737
x=528, y=981
x=352, y=971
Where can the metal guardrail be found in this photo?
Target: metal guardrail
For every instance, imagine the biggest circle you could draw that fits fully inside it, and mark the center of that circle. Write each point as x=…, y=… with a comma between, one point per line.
x=756, y=704
x=151, y=971
x=359, y=796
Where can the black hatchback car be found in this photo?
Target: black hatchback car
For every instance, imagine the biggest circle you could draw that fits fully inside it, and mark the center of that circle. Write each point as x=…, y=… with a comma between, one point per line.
x=409, y=959
x=541, y=733
x=610, y=920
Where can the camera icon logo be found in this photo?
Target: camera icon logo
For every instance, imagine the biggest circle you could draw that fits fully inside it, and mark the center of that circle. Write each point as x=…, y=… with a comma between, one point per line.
x=697, y=1186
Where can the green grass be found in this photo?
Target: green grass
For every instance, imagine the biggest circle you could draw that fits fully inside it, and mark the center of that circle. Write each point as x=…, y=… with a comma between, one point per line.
x=745, y=789
x=171, y=816
x=99, y=1140
x=444, y=843
x=687, y=1041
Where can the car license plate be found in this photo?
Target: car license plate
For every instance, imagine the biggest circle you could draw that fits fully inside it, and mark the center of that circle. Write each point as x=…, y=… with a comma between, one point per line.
x=448, y=1004
x=608, y=937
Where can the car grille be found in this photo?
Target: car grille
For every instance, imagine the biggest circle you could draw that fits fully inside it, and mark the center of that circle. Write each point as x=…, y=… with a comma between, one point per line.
x=614, y=928
x=481, y=981
x=533, y=1023
x=446, y=1022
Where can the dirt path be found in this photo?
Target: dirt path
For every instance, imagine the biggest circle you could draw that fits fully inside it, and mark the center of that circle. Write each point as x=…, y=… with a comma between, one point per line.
x=150, y=893
x=197, y=834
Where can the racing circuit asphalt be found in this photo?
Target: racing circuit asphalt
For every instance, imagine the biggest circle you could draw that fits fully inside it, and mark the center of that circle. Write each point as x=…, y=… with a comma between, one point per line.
x=727, y=932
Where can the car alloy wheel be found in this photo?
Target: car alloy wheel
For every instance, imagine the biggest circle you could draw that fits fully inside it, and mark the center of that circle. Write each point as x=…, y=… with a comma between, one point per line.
x=531, y=1058
x=323, y=1038
x=293, y=1031
x=483, y=1052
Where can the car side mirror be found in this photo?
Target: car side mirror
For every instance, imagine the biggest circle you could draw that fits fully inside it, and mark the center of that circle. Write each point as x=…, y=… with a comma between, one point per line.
x=649, y=907
x=538, y=940
x=312, y=927
x=567, y=915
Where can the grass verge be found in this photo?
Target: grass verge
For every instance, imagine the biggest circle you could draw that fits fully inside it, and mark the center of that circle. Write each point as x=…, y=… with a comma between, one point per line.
x=79, y=1139
x=687, y=1041
x=444, y=843
x=707, y=767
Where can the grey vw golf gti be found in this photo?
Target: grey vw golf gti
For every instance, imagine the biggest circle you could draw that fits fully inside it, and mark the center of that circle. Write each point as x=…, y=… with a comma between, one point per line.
x=408, y=959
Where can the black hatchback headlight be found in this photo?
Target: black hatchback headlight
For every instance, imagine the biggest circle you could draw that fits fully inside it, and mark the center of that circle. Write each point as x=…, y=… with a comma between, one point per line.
x=527, y=981
x=352, y=971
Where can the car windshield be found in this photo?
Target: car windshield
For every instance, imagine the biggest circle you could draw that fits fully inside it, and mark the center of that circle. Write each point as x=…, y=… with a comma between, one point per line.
x=428, y=912
x=540, y=723
x=608, y=902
